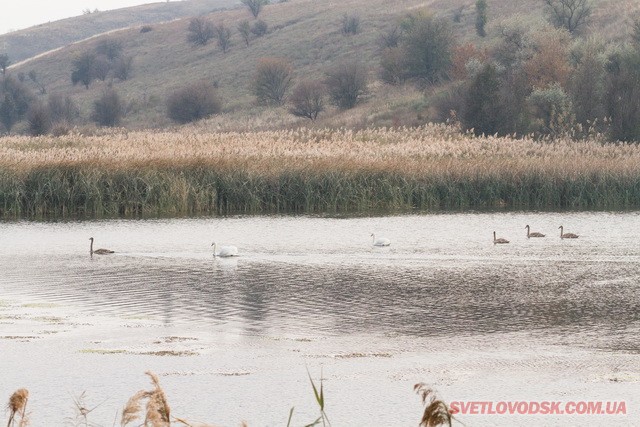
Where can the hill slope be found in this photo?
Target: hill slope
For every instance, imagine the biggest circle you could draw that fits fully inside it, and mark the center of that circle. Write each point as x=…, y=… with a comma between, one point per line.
x=24, y=44
x=306, y=33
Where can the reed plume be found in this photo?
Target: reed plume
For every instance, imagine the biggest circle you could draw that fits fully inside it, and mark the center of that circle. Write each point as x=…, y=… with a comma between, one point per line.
x=436, y=413
x=17, y=407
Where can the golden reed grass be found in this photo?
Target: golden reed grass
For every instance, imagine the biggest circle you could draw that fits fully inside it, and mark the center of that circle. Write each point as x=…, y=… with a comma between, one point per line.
x=17, y=408
x=310, y=170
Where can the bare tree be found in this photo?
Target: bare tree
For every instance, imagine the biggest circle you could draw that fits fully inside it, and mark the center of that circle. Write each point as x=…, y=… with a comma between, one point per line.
x=244, y=28
x=272, y=79
x=570, y=14
x=223, y=34
x=255, y=6
x=200, y=31
x=307, y=99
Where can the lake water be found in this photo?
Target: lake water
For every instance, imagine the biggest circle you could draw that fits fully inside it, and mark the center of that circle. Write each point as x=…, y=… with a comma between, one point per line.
x=232, y=339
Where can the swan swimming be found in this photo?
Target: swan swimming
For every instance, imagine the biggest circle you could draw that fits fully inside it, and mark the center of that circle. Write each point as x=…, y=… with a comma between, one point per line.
x=98, y=251
x=567, y=235
x=225, y=251
x=500, y=240
x=380, y=241
x=534, y=234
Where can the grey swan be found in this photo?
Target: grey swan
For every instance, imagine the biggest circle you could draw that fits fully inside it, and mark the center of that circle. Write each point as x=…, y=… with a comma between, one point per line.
x=498, y=241
x=534, y=234
x=98, y=251
x=567, y=235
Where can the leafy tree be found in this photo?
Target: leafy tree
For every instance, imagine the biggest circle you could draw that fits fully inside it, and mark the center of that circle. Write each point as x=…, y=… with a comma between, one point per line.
x=200, y=31
x=110, y=48
x=392, y=66
x=193, y=102
x=244, y=28
x=552, y=110
x=4, y=63
x=548, y=60
x=84, y=69
x=481, y=17
x=482, y=102
x=223, y=34
x=15, y=99
x=307, y=99
x=108, y=110
x=570, y=14
x=587, y=85
x=623, y=94
x=272, y=79
x=255, y=6
x=346, y=83
x=428, y=45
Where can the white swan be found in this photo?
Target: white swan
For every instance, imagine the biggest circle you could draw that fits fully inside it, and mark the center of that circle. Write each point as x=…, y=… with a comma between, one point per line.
x=500, y=240
x=225, y=251
x=380, y=241
x=534, y=234
x=98, y=251
x=567, y=235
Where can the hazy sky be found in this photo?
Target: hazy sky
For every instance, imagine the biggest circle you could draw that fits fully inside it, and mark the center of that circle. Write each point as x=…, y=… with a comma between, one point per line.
x=18, y=14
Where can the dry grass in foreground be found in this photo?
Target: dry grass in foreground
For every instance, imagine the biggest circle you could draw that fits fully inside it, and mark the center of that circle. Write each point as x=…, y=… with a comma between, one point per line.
x=157, y=413
x=304, y=170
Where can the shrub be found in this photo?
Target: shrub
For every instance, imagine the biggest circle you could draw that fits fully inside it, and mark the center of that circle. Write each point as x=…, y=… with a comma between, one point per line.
x=346, y=83
x=350, y=24
x=552, y=110
x=260, y=28
x=223, y=34
x=39, y=119
x=84, y=69
x=244, y=28
x=272, y=79
x=392, y=66
x=307, y=99
x=200, y=31
x=62, y=110
x=108, y=110
x=193, y=102
x=146, y=29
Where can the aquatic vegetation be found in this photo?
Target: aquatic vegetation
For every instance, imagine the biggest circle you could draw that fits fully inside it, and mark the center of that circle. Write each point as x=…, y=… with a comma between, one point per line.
x=432, y=167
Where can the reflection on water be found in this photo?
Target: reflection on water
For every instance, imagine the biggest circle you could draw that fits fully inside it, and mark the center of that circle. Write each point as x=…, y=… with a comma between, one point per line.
x=442, y=276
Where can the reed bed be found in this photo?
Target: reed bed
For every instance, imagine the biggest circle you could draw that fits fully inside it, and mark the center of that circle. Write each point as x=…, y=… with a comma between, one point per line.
x=432, y=167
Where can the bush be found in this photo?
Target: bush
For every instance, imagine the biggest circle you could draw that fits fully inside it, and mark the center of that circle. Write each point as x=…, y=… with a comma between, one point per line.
x=194, y=102
x=39, y=119
x=200, y=31
x=223, y=34
x=272, y=79
x=346, y=83
x=108, y=110
x=62, y=110
x=146, y=29
x=392, y=66
x=307, y=99
x=260, y=28
x=350, y=24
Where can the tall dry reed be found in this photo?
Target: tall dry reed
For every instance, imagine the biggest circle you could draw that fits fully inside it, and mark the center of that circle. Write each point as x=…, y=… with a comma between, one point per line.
x=304, y=170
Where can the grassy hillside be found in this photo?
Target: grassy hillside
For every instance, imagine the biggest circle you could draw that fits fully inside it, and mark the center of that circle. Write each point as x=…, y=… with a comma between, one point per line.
x=24, y=44
x=305, y=32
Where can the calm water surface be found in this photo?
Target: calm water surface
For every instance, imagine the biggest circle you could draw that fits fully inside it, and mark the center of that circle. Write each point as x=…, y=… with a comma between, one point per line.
x=301, y=280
